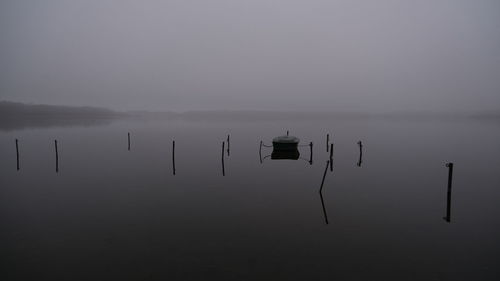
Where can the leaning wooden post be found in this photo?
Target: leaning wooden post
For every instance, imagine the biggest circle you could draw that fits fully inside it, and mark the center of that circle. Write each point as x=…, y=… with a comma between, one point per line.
x=448, y=205
x=57, y=156
x=228, y=145
x=327, y=141
x=128, y=137
x=223, y=171
x=311, y=154
x=173, y=156
x=17, y=154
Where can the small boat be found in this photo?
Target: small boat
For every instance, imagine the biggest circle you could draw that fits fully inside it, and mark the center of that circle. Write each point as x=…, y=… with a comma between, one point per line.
x=285, y=147
x=285, y=143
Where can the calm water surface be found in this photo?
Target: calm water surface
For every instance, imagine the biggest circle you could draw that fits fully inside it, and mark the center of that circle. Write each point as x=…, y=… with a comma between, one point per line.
x=114, y=214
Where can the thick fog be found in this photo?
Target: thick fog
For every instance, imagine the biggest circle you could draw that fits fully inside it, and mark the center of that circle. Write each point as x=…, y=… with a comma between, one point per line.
x=351, y=55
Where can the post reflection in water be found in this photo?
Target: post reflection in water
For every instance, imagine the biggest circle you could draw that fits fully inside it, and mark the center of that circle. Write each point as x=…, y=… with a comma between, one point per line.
x=321, y=192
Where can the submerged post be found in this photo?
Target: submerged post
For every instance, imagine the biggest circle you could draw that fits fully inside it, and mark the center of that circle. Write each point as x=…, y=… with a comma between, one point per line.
x=327, y=141
x=360, y=153
x=311, y=154
x=223, y=170
x=448, y=205
x=260, y=152
x=17, y=154
x=57, y=156
x=228, y=145
x=128, y=137
x=173, y=156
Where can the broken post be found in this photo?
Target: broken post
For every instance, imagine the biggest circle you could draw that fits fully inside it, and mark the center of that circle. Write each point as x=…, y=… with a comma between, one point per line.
x=17, y=154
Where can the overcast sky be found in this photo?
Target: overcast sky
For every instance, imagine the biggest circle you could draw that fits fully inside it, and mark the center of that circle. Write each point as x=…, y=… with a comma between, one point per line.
x=350, y=55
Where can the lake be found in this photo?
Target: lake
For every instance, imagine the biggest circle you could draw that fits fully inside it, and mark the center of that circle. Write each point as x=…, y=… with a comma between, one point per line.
x=114, y=214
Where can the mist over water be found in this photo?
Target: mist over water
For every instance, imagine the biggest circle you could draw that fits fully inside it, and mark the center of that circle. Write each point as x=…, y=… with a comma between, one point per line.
x=375, y=56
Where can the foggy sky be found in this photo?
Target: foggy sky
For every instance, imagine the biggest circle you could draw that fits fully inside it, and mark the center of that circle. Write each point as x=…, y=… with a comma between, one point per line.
x=351, y=55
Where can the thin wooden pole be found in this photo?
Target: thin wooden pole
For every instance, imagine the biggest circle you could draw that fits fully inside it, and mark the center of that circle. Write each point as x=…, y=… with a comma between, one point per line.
x=57, y=156
x=17, y=154
x=128, y=137
x=223, y=170
x=311, y=154
x=173, y=156
x=260, y=152
x=228, y=145
x=448, y=199
x=360, y=153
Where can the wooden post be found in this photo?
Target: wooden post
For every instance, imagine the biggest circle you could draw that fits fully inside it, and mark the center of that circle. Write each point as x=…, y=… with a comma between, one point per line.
x=327, y=141
x=331, y=151
x=17, y=154
x=223, y=170
x=360, y=153
x=173, y=156
x=128, y=137
x=448, y=205
x=260, y=152
x=57, y=156
x=287, y=132
x=228, y=145
x=311, y=154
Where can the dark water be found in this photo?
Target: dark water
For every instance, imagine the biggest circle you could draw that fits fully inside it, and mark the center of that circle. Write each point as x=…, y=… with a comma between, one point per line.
x=113, y=214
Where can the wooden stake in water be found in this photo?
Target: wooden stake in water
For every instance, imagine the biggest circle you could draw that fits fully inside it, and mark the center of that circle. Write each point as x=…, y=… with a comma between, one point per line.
x=331, y=157
x=17, y=154
x=448, y=205
x=287, y=133
x=227, y=145
x=311, y=154
x=128, y=137
x=360, y=153
x=260, y=152
x=223, y=170
x=57, y=156
x=173, y=157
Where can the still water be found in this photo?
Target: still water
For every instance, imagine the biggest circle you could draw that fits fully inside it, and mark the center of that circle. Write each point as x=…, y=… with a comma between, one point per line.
x=114, y=214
